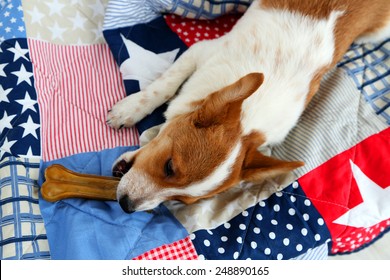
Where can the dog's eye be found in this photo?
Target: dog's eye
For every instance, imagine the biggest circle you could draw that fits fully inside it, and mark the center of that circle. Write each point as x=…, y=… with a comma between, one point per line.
x=168, y=168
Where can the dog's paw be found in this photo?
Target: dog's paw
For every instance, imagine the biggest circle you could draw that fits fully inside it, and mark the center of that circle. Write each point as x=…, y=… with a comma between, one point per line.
x=127, y=112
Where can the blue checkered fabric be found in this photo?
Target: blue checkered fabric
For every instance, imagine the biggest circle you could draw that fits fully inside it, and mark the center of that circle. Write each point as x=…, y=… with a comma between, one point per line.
x=125, y=13
x=207, y=9
x=369, y=67
x=22, y=231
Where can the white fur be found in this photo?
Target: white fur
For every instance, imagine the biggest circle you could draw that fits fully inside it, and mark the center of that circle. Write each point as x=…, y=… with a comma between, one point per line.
x=287, y=47
x=306, y=46
x=275, y=108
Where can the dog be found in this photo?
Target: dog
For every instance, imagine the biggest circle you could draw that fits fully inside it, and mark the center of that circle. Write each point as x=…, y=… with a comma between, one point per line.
x=234, y=94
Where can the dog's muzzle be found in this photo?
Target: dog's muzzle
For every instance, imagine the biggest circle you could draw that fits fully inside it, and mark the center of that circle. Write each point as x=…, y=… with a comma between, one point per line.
x=126, y=204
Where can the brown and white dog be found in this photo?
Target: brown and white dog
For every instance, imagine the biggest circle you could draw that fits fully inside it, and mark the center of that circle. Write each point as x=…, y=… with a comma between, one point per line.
x=241, y=91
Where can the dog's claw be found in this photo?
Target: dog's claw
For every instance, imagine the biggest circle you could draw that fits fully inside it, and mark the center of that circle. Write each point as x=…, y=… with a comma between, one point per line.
x=127, y=112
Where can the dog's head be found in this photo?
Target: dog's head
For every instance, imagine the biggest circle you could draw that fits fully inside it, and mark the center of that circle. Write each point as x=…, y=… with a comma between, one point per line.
x=198, y=154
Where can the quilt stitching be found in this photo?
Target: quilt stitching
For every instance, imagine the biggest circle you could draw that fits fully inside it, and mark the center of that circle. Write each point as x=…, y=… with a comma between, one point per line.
x=23, y=235
x=368, y=66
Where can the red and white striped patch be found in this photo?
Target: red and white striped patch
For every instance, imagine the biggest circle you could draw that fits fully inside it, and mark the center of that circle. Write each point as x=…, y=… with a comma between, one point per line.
x=178, y=250
x=76, y=87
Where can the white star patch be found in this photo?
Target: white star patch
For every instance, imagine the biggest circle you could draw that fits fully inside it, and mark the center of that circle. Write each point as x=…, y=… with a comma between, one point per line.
x=30, y=127
x=27, y=103
x=6, y=121
x=23, y=75
x=375, y=207
x=4, y=94
x=143, y=65
x=18, y=52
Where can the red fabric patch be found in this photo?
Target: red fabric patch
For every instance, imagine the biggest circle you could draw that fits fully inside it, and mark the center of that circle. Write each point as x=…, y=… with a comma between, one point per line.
x=178, y=250
x=191, y=31
x=372, y=158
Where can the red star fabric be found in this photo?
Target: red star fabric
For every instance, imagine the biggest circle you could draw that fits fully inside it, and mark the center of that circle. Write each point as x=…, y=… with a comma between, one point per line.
x=372, y=156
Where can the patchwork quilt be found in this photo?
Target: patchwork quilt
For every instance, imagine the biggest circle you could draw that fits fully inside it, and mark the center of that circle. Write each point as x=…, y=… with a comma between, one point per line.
x=63, y=64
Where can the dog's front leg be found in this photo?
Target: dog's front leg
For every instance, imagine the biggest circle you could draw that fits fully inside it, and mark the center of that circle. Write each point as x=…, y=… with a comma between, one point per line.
x=135, y=107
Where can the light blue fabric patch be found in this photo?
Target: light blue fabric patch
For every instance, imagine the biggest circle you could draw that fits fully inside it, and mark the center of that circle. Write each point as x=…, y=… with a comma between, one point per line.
x=90, y=229
x=12, y=20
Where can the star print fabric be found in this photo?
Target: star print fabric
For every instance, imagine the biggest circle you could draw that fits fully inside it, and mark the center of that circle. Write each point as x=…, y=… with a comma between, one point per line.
x=149, y=43
x=19, y=112
x=11, y=20
x=65, y=22
x=73, y=67
x=359, y=212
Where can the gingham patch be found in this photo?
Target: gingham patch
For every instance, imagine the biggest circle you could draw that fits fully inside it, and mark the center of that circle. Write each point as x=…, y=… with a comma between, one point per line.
x=22, y=231
x=178, y=250
x=200, y=9
x=369, y=67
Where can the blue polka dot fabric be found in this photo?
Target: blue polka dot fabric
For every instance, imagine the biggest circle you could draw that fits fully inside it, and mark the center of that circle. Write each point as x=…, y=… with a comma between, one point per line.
x=284, y=226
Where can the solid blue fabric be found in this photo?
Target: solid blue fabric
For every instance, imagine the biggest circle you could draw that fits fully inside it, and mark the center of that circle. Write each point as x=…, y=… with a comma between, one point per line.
x=90, y=229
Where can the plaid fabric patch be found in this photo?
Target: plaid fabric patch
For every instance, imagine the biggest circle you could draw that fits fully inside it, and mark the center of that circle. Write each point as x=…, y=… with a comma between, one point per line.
x=22, y=231
x=178, y=250
x=204, y=9
x=369, y=67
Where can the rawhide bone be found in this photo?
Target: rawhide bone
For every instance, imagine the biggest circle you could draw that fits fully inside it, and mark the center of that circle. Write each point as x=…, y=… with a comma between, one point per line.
x=63, y=183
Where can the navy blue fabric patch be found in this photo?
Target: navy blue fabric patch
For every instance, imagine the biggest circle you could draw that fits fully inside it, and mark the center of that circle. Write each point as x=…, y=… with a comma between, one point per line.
x=19, y=112
x=155, y=36
x=283, y=226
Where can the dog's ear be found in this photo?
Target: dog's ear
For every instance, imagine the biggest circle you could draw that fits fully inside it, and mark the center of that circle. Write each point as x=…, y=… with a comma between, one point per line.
x=225, y=105
x=257, y=167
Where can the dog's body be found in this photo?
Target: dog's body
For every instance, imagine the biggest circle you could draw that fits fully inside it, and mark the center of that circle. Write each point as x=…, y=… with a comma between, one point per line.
x=227, y=109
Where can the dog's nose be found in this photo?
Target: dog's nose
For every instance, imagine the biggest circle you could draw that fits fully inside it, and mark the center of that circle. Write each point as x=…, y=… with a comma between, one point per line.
x=126, y=204
x=121, y=168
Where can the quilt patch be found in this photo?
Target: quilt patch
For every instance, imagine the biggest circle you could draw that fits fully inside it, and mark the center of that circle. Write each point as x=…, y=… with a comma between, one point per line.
x=369, y=66
x=280, y=227
x=65, y=22
x=63, y=64
x=77, y=85
x=11, y=21
x=358, y=212
x=179, y=250
x=19, y=112
x=22, y=231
